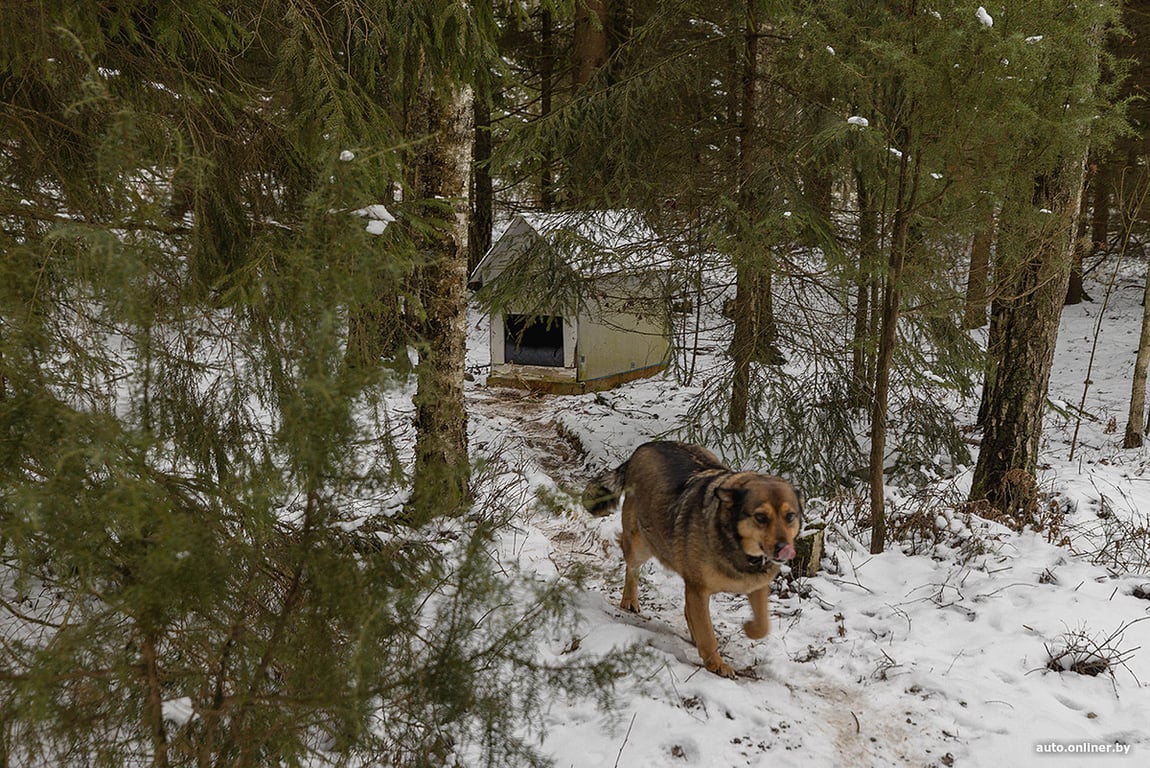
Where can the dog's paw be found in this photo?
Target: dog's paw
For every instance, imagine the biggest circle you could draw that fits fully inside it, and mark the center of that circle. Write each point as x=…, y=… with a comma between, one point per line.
x=722, y=669
x=631, y=606
x=756, y=630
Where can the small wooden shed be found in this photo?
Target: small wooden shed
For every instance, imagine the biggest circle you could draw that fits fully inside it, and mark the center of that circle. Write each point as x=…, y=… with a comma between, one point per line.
x=577, y=301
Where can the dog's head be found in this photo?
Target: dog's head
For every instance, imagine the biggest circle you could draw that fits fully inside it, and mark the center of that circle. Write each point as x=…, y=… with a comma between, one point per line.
x=766, y=513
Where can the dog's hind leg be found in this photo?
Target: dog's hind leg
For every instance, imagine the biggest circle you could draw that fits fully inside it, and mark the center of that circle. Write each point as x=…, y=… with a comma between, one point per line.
x=698, y=613
x=760, y=625
x=635, y=553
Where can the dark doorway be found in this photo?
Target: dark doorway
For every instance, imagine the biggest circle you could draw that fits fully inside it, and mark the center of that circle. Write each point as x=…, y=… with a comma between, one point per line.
x=533, y=340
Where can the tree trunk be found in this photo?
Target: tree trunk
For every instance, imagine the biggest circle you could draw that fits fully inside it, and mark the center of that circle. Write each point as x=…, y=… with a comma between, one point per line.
x=888, y=339
x=442, y=468
x=755, y=333
x=546, y=91
x=1075, y=293
x=741, y=347
x=862, y=350
x=978, y=278
x=1031, y=293
x=990, y=364
x=153, y=706
x=1100, y=214
x=892, y=295
x=590, y=39
x=1135, y=423
x=482, y=194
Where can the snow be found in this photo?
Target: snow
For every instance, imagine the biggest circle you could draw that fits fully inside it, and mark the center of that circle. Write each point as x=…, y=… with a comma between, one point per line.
x=926, y=655
x=984, y=17
x=378, y=218
x=346, y=156
x=933, y=653
x=861, y=122
x=593, y=243
x=178, y=711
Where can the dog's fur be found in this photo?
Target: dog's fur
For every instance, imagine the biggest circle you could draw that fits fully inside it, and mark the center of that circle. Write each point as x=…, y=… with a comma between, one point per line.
x=722, y=531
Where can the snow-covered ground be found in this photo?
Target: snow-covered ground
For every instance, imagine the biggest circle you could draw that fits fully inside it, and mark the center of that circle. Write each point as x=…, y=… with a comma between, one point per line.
x=931, y=656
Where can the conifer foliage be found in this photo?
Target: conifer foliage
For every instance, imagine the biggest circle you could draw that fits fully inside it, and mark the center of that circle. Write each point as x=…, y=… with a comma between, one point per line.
x=229, y=231
x=200, y=562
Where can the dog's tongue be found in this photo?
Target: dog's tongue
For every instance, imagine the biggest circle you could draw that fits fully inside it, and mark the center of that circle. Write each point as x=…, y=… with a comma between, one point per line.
x=787, y=552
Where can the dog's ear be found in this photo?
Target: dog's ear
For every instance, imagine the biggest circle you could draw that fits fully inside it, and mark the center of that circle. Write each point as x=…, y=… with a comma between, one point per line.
x=731, y=497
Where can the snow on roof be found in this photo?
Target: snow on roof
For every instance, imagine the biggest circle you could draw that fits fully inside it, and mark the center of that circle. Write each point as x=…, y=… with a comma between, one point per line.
x=593, y=243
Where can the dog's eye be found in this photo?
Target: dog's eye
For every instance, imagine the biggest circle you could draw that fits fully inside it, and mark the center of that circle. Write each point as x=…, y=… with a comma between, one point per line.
x=762, y=519
x=791, y=517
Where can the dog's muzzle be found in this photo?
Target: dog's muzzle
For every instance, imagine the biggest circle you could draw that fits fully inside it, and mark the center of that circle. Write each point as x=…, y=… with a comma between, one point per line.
x=783, y=554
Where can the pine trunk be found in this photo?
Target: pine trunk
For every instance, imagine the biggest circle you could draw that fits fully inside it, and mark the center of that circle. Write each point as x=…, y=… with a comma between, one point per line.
x=482, y=192
x=1075, y=291
x=1027, y=312
x=546, y=89
x=1135, y=423
x=892, y=295
x=862, y=350
x=153, y=706
x=888, y=340
x=755, y=333
x=590, y=42
x=990, y=369
x=978, y=278
x=1100, y=214
x=741, y=349
x=442, y=468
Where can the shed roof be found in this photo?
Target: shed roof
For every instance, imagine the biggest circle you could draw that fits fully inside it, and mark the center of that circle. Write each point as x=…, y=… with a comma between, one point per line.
x=591, y=243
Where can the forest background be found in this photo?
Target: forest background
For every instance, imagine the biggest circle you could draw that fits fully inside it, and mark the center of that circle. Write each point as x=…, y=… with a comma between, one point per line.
x=229, y=230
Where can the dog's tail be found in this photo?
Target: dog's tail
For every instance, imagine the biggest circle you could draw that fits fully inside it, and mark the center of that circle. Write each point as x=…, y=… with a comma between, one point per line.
x=601, y=496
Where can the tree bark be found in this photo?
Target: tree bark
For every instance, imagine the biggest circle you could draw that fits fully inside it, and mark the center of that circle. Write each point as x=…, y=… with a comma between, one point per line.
x=1027, y=310
x=887, y=341
x=1075, y=292
x=154, y=706
x=755, y=336
x=862, y=350
x=590, y=39
x=546, y=91
x=440, y=173
x=741, y=345
x=978, y=278
x=1136, y=420
x=1102, y=193
x=482, y=193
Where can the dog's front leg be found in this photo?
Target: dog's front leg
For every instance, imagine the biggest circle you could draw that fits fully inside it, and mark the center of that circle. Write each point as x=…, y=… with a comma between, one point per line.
x=703, y=632
x=760, y=625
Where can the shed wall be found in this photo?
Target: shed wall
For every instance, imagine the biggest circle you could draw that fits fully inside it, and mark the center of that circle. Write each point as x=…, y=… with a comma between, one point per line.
x=613, y=342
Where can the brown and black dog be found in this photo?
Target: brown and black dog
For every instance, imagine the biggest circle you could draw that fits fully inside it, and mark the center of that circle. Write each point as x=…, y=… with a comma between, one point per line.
x=722, y=531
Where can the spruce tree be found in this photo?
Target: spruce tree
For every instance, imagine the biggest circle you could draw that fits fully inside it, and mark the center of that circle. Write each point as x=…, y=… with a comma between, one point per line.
x=1037, y=246
x=202, y=560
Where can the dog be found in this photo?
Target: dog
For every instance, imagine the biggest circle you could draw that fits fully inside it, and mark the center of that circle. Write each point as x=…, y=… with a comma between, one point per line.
x=721, y=530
